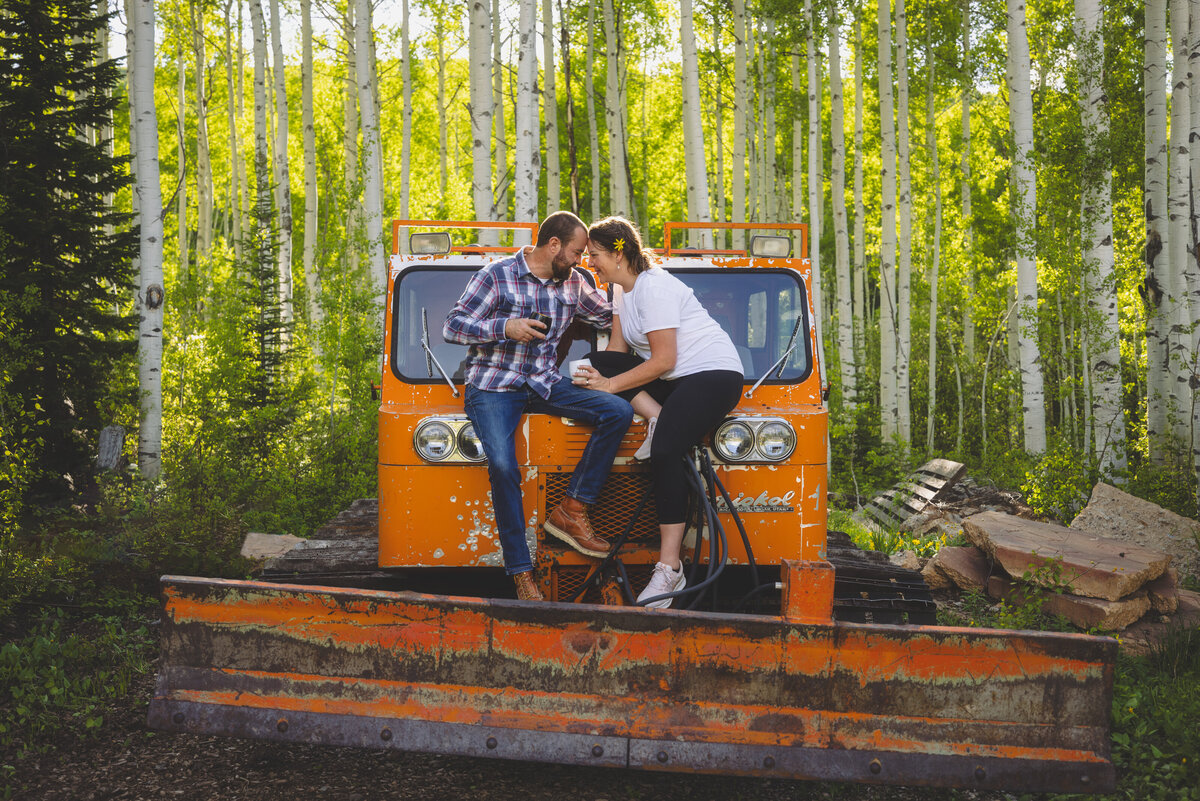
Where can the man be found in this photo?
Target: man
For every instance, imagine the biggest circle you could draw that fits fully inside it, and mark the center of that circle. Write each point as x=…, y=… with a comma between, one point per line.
x=512, y=368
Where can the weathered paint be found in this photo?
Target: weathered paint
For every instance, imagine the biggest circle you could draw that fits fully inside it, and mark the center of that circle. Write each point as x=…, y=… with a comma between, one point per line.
x=340, y=665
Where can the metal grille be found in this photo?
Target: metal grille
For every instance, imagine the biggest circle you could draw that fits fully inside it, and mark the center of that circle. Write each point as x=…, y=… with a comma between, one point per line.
x=616, y=505
x=568, y=578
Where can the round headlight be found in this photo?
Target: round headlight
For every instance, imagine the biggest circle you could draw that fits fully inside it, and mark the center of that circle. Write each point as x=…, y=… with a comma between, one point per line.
x=776, y=441
x=734, y=441
x=469, y=444
x=434, y=441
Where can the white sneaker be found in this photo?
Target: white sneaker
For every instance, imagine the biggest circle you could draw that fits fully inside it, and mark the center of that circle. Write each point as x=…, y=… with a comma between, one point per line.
x=643, y=452
x=663, y=580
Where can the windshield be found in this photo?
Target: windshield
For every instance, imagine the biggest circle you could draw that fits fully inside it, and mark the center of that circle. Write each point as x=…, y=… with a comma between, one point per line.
x=759, y=309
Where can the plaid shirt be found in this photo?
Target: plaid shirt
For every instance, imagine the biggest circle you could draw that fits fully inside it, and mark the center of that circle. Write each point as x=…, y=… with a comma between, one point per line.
x=506, y=289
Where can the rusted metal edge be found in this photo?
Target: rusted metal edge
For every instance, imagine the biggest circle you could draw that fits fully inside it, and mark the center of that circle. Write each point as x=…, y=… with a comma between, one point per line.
x=779, y=762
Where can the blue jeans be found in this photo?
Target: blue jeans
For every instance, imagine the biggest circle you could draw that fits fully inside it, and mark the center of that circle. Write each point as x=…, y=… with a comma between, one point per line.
x=496, y=416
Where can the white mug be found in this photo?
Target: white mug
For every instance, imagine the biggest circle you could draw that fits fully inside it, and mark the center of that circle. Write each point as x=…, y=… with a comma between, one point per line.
x=573, y=367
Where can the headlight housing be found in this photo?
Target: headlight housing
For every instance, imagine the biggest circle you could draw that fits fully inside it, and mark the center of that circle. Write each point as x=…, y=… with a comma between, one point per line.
x=434, y=440
x=754, y=439
x=469, y=444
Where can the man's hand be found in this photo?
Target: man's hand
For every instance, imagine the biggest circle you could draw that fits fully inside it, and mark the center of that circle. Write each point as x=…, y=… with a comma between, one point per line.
x=522, y=329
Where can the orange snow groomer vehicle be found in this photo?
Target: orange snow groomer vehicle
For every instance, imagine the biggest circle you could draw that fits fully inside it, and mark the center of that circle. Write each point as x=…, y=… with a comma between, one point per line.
x=754, y=673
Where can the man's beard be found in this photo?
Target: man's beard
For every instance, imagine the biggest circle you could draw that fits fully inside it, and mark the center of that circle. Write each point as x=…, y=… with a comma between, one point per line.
x=560, y=269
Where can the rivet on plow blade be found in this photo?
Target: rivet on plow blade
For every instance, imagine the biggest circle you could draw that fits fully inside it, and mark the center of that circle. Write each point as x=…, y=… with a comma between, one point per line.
x=177, y=718
x=597, y=751
x=876, y=766
x=980, y=773
x=282, y=725
x=1085, y=779
x=662, y=756
x=769, y=763
x=491, y=743
x=386, y=735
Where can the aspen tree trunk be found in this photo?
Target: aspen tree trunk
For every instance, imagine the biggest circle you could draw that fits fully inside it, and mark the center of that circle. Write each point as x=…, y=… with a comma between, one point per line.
x=1155, y=253
x=799, y=135
x=841, y=236
x=150, y=296
x=888, y=401
x=740, y=101
x=904, y=284
x=719, y=137
x=572, y=155
x=236, y=167
x=480, y=48
x=550, y=110
x=311, y=197
x=204, y=188
x=1025, y=213
x=406, y=117
x=527, y=155
x=770, y=204
x=860, y=245
x=261, y=150
x=1180, y=237
x=816, y=187
x=623, y=107
x=372, y=149
x=181, y=156
x=693, y=131
x=1107, y=412
x=968, y=315
x=439, y=35
x=589, y=90
x=619, y=186
x=283, y=191
x=243, y=173
x=931, y=145
x=350, y=108
x=758, y=206
x=501, y=180
x=1188, y=284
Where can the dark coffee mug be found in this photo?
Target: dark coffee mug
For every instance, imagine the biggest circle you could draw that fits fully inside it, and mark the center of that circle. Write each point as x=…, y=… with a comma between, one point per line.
x=544, y=319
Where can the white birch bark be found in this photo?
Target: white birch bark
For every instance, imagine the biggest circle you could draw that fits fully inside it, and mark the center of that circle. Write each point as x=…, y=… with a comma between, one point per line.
x=550, y=110
x=480, y=50
x=372, y=149
x=693, y=131
x=261, y=150
x=1187, y=379
x=816, y=182
x=618, y=183
x=181, y=231
x=1096, y=236
x=740, y=101
x=589, y=90
x=236, y=167
x=718, y=143
x=860, y=249
x=799, y=139
x=1180, y=237
x=527, y=153
x=500, y=137
x=311, y=197
x=439, y=36
x=904, y=267
x=841, y=236
x=968, y=315
x=888, y=401
x=283, y=188
x=1025, y=214
x=204, y=184
x=350, y=111
x=935, y=263
x=407, y=114
x=150, y=296
x=1155, y=198
x=243, y=173
x=770, y=205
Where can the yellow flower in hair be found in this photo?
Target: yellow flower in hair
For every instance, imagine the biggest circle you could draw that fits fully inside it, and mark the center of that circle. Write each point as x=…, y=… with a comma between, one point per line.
x=619, y=245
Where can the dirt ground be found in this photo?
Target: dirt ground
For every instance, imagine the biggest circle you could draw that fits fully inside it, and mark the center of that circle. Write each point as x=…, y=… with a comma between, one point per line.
x=128, y=761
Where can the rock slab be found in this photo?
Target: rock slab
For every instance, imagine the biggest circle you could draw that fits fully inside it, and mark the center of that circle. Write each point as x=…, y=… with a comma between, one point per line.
x=1119, y=515
x=967, y=567
x=1092, y=565
x=1086, y=613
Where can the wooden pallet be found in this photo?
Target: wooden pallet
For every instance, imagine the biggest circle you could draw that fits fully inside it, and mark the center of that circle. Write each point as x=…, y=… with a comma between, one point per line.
x=891, y=508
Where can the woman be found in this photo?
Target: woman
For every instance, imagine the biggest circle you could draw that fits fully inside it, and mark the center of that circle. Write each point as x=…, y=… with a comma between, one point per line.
x=684, y=376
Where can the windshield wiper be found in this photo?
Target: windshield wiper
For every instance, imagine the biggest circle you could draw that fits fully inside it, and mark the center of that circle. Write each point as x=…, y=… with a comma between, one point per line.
x=430, y=359
x=792, y=343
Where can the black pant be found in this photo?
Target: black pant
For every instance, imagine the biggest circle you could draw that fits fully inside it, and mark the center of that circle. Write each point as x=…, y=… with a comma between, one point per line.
x=692, y=405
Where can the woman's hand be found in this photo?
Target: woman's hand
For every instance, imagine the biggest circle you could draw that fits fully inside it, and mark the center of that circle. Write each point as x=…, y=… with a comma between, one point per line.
x=590, y=378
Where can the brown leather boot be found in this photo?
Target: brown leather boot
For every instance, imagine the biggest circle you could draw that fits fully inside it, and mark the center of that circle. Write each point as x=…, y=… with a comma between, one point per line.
x=527, y=589
x=569, y=522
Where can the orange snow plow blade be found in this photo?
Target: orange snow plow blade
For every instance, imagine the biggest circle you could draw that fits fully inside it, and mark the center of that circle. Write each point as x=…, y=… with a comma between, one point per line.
x=627, y=687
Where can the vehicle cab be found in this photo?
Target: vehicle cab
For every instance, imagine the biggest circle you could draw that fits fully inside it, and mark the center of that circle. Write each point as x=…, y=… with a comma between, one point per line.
x=770, y=453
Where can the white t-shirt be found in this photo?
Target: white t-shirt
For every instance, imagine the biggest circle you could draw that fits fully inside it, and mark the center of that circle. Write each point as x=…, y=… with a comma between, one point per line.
x=659, y=300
